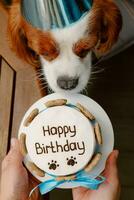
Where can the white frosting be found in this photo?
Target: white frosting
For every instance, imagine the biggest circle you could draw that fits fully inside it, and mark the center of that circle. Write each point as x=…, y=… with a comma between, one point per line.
x=60, y=140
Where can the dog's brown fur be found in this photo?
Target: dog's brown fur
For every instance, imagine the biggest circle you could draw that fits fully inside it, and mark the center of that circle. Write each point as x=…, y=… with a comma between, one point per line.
x=29, y=42
x=26, y=41
x=105, y=24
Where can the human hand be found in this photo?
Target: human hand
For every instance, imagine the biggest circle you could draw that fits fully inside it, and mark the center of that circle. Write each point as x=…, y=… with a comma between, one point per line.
x=16, y=183
x=109, y=190
x=14, y=177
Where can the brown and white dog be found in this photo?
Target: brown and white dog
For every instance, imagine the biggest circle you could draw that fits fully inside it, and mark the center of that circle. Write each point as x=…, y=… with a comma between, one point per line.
x=65, y=54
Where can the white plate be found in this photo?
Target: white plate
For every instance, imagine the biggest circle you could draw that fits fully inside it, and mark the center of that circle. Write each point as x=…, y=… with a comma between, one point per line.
x=101, y=117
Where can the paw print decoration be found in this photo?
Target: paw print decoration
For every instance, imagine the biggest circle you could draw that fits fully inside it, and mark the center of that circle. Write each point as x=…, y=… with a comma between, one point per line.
x=53, y=165
x=71, y=161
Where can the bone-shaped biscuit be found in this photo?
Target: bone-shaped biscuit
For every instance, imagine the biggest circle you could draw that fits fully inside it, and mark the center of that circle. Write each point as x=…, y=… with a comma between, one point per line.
x=23, y=144
x=93, y=162
x=98, y=134
x=85, y=111
x=33, y=168
x=65, y=178
x=57, y=102
x=31, y=116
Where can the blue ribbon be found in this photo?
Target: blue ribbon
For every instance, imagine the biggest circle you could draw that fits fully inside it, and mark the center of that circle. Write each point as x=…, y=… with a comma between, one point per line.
x=82, y=179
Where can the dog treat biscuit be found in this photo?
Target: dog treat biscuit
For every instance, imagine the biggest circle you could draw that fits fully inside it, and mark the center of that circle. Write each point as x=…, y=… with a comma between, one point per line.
x=23, y=144
x=67, y=178
x=30, y=118
x=85, y=111
x=32, y=167
x=98, y=134
x=93, y=162
x=57, y=102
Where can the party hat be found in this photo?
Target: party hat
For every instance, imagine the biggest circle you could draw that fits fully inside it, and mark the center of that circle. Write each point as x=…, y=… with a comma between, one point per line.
x=51, y=14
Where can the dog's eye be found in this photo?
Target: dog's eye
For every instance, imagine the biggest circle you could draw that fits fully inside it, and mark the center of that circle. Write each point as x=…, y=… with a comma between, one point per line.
x=50, y=54
x=83, y=53
x=46, y=54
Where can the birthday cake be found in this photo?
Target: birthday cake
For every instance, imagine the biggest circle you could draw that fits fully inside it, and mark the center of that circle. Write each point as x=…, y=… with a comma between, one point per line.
x=61, y=139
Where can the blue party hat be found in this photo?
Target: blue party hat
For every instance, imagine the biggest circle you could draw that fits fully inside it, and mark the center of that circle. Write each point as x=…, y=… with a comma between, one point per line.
x=51, y=14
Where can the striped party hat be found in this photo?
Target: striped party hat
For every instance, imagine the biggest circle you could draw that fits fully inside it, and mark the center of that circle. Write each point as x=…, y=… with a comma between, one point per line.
x=51, y=14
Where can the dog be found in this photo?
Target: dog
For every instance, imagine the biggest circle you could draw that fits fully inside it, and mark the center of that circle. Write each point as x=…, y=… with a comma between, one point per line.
x=64, y=56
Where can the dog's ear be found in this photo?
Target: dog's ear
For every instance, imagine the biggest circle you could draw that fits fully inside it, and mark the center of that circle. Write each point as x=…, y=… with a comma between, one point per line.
x=17, y=37
x=105, y=24
x=5, y=4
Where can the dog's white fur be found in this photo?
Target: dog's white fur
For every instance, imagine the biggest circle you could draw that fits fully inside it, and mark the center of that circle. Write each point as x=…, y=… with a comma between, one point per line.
x=68, y=63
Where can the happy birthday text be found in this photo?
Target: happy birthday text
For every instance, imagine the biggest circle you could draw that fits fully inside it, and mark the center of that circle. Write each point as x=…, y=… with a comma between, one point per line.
x=61, y=145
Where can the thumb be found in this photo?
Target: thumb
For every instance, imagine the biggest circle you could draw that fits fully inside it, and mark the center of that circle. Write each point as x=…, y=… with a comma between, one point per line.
x=111, y=170
x=15, y=150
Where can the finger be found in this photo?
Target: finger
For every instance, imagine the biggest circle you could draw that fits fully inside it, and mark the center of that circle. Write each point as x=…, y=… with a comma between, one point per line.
x=79, y=189
x=79, y=192
x=111, y=170
x=15, y=150
x=14, y=156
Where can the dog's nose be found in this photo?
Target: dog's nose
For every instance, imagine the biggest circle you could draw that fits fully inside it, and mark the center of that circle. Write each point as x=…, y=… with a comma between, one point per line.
x=67, y=83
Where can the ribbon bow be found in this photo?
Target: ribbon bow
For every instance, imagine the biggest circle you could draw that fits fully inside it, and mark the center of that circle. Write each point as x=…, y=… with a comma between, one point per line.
x=81, y=179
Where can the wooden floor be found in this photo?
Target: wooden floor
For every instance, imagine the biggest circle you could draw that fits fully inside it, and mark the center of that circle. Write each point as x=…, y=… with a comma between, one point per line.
x=114, y=90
